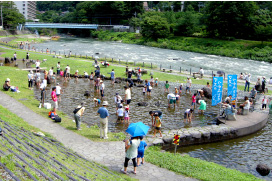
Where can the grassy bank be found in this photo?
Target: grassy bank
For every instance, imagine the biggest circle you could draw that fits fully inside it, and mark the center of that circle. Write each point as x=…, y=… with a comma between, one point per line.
x=194, y=167
x=40, y=153
x=246, y=49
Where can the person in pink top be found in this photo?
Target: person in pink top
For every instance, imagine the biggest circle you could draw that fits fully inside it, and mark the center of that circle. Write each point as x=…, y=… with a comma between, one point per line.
x=194, y=100
x=54, y=98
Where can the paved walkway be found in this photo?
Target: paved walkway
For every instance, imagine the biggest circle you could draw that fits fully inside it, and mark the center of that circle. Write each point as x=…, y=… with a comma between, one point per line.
x=110, y=154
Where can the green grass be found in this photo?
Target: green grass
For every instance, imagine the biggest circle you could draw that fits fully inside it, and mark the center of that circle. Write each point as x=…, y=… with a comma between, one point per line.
x=19, y=78
x=194, y=167
x=54, y=151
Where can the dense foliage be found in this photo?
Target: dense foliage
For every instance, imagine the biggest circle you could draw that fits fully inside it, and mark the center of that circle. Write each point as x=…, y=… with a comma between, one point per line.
x=11, y=15
x=217, y=19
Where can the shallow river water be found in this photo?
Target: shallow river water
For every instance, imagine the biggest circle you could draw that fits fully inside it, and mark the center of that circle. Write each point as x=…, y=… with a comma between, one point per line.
x=176, y=59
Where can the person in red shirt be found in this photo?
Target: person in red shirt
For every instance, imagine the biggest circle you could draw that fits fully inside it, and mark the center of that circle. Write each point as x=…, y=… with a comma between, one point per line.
x=54, y=98
x=194, y=100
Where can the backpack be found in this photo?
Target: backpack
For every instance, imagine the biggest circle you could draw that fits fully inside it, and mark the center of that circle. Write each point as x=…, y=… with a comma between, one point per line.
x=76, y=110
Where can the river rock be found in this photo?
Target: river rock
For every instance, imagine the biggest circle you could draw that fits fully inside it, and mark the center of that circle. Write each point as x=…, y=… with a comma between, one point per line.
x=142, y=104
x=207, y=92
x=7, y=60
x=118, y=81
x=158, y=103
x=144, y=71
x=158, y=142
x=87, y=93
x=107, y=78
x=140, y=85
x=167, y=139
x=205, y=133
x=263, y=169
x=195, y=134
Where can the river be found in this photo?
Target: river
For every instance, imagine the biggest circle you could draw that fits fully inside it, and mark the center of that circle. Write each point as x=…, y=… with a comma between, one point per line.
x=165, y=57
x=243, y=153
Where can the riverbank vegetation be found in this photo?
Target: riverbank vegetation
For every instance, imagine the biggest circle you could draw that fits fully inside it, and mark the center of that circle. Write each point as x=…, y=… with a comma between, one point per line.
x=194, y=167
x=245, y=49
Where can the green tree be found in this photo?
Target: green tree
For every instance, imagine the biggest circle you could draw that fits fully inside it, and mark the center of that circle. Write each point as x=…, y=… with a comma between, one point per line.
x=262, y=23
x=49, y=16
x=229, y=18
x=155, y=27
x=187, y=24
x=11, y=15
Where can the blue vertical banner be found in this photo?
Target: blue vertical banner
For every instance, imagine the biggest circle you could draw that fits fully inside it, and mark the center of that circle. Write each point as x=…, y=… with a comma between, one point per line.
x=232, y=86
x=217, y=89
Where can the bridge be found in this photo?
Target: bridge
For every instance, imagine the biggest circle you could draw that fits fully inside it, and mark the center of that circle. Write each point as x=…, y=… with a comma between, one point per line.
x=71, y=26
x=60, y=25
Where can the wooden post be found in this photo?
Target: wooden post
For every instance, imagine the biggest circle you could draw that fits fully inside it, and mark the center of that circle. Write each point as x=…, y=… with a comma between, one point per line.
x=92, y=56
x=175, y=149
x=134, y=63
x=75, y=55
x=160, y=66
x=170, y=67
x=127, y=62
x=59, y=52
x=151, y=65
x=190, y=71
x=179, y=69
x=119, y=61
x=143, y=64
x=86, y=56
x=79, y=55
x=111, y=60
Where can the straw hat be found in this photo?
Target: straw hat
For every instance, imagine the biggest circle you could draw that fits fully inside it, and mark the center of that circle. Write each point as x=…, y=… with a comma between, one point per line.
x=76, y=70
x=101, y=81
x=8, y=79
x=105, y=103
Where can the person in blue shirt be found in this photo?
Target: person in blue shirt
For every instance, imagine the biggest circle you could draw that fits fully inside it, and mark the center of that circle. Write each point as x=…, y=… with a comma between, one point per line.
x=112, y=76
x=96, y=102
x=141, y=150
x=148, y=87
x=104, y=114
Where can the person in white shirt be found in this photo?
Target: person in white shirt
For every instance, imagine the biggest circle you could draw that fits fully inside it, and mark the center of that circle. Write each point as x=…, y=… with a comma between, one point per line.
x=171, y=99
x=248, y=77
x=188, y=85
x=245, y=105
x=50, y=72
x=37, y=64
x=86, y=75
x=30, y=79
x=117, y=100
x=201, y=71
x=68, y=72
x=38, y=78
x=120, y=114
x=127, y=95
x=58, y=91
x=102, y=88
x=15, y=57
x=264, y=102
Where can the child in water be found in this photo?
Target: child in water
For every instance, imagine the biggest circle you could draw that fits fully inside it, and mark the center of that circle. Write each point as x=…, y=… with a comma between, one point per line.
x=126, y=115
x=157, y=124
x=96, y=101
x=144, y=90
x=166, y=87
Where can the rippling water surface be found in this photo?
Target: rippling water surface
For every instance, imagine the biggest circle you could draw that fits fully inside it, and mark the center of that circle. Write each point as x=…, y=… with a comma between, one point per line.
x=176, y=59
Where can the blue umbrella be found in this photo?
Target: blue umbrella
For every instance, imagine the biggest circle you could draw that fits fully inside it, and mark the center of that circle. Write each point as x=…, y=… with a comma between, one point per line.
x=137, y=129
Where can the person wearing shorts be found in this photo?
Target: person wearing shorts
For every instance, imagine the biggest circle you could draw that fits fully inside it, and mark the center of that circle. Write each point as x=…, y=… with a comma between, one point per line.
x=152, y=113
x=157, y=125
x=127, y=95
x=194, y=101
x=188, y=115
x=171, y=99
x=112, y=76
x=188, y=85
x=141, y=150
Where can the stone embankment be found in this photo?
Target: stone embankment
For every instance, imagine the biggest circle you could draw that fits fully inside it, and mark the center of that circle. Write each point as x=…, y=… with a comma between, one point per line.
x=244, y=125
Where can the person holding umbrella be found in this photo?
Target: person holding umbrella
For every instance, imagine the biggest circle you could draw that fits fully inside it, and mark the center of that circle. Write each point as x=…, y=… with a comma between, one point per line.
x=135, y=130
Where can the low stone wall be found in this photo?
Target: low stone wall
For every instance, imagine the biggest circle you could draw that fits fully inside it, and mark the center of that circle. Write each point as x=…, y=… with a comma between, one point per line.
x=245, y=125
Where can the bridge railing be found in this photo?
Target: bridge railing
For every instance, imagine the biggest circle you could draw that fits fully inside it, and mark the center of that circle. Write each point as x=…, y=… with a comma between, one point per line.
x=78, y=24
